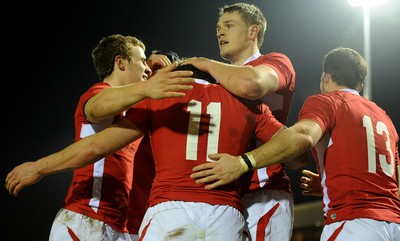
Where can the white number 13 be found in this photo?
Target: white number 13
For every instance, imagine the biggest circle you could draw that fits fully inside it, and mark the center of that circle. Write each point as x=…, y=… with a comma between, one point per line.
x=388, y=168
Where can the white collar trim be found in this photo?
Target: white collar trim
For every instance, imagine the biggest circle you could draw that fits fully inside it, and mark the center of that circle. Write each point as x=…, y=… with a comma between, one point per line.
x=253, y=57
x=350, y=91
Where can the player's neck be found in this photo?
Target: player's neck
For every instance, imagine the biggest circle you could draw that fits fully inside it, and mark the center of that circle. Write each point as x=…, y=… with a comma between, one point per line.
x=245, y=56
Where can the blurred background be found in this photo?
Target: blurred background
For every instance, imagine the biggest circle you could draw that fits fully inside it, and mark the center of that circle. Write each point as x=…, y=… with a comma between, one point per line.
x=48, y=49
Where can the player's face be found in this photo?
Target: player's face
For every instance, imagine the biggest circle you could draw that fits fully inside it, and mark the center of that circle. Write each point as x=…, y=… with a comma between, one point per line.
x=233, y=36
x=138, y=68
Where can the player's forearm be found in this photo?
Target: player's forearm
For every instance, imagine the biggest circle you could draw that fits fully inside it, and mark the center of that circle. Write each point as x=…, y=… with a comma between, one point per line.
x=72, y=157
x=112, y=101
x=242, y=81
x=281, y=148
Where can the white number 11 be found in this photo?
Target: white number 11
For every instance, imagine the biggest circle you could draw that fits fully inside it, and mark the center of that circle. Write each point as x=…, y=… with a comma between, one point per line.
x=214, y=110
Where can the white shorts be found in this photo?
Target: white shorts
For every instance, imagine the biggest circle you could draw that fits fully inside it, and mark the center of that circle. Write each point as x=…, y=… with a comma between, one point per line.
x=269, y=215
x=184, y=221
x=69, y=226
x=134, y=237
x=361, y=229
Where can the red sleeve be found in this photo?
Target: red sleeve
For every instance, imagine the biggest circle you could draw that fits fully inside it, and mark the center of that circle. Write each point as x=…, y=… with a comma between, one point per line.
x=281, y=65
x=318, y=109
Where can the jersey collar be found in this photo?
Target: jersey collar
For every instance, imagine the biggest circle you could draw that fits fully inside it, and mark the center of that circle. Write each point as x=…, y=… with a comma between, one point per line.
x=253, y=57
x=350, y=91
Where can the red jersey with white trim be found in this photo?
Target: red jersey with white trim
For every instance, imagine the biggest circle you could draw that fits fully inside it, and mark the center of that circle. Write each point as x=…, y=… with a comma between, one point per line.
x=356, y=157
x=274, y=176
x=143, y=175
x=207, y=120
x=101, y=190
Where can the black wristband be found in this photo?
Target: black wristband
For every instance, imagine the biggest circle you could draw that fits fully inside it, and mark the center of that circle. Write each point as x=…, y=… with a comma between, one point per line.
x=247, y=161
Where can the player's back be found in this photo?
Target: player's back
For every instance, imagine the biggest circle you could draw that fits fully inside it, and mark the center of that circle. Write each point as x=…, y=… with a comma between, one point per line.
x=184, y=130
x=356, y=157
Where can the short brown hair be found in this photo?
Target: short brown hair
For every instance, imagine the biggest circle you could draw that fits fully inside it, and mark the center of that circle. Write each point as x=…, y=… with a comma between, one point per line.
x=104, y=53
x=251, y=14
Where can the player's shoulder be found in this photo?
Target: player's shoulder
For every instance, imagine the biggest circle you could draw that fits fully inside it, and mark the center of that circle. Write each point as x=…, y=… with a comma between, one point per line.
x=95, y=88
x=277, y=59
x=275, y=55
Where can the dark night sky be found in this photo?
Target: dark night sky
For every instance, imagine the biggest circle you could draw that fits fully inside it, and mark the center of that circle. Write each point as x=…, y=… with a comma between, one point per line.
x=48, y=58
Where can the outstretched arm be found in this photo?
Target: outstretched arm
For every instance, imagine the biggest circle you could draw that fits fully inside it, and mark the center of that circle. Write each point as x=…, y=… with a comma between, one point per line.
x=166, y=83
x=245, y=81
x=283, y=146
x=81, y=153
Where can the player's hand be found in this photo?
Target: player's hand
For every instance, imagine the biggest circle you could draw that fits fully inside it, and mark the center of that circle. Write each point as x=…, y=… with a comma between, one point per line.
x=311, y=183
x=158, y=61
x=167, y=83
x=22, y=176
x=225, y=169
x=199, y=62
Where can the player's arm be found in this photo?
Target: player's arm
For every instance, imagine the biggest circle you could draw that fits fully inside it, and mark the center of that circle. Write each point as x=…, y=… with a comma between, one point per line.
x=245, y=81
x=166, y=83
x=283, y=146
x=81, y=153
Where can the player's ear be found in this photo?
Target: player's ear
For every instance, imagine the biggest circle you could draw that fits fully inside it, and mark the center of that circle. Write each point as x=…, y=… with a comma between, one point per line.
x=326, y=78
x=254, y=29
x=360, y=87
x=119, y=62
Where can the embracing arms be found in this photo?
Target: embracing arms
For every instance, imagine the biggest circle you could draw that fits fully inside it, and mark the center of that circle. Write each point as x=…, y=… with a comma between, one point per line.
x=283, y=146
x=81, y=153
x=245, y=81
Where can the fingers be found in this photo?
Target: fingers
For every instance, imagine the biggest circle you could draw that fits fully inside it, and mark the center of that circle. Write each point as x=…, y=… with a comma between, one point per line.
x=214, y=185
x=170, y=90
x=179, y=86
x=214, y=156
x=202, y=167
x=180, y=73
x=9, y=178
x=173, y=88
x=304, y=185
x=309, y=173
x=181, y=76
x=202, y=179
x=306, y=172
x=164, y=61
x=212, y=182
x=11, y=184
x=158, y=61
x=305, y=180
x=181, y=81
x=169, y=68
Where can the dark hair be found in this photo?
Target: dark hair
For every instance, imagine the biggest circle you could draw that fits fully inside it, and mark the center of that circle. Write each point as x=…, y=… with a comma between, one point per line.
x=172, y=56
x=103, y=55
x=251, y=14
x=346, y=67
x=198, y=74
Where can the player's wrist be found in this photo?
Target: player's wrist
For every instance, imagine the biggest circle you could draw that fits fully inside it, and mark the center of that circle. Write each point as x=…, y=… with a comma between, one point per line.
x=248, y=162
